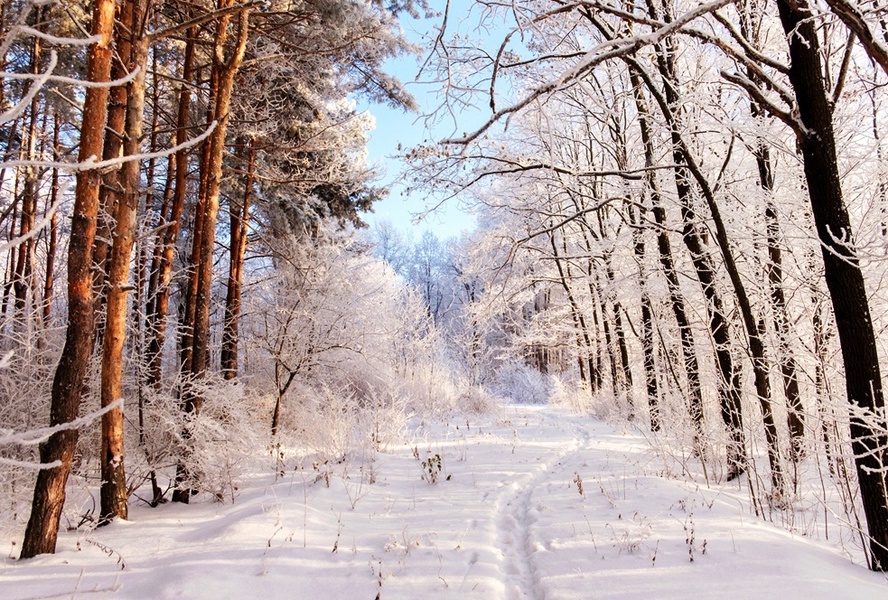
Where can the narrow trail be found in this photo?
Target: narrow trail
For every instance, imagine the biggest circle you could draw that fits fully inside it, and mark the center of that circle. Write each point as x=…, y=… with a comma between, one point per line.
x=515, y=514
x=515, y=540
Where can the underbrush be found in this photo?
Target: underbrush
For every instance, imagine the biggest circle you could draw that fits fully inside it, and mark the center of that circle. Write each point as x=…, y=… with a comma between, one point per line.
x=820, y=498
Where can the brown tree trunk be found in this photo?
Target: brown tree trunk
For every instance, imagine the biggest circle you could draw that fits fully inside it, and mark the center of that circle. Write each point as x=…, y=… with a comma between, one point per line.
x=53, y=229
x=205, y=231
x=844, y=278
x=204, y=264
x=26, y=258
x=49, y=490
x=162, y=274
x=113, y=491
x=144, y=300
x=111, y=189
x=239, y=221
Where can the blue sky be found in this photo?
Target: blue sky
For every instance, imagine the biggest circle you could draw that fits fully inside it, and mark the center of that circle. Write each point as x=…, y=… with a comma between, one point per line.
x=394, y=128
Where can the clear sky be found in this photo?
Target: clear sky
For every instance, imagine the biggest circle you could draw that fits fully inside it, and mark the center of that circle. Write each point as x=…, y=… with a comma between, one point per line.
x=394, y=128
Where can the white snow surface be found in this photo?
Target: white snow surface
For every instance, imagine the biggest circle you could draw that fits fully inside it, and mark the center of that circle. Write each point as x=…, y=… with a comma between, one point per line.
x=505, y=520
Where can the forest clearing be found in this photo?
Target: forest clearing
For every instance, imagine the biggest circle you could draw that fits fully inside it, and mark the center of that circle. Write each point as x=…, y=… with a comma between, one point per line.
x=528, y=502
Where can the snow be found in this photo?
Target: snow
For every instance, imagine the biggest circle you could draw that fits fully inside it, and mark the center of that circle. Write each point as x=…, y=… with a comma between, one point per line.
x=505, y=519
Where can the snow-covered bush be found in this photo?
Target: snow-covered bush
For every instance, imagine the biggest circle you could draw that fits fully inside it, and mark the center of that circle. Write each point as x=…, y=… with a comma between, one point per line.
x=522, y=384
x=475, y=399
x=572, y=395
x=219, y=444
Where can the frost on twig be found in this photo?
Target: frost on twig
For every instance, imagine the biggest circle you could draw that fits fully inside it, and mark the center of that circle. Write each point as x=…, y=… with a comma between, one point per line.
x=36, y=436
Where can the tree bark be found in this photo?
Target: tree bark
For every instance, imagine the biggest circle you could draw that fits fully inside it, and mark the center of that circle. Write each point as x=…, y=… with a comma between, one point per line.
x=844, y=279
x=113, y=491
x=26, y=259
x=111, y=190
x=205, y=234
x=204, y=265
x=239, y=220
x=49, y=490
x=53, y=229
x=162, y=275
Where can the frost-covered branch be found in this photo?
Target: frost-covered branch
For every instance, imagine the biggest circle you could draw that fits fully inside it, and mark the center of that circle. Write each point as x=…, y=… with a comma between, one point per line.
x=854, y=19
x=603, y=52
x=36, y=436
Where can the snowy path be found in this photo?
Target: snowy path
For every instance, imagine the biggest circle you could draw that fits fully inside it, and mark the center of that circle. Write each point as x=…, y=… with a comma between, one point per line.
x=515, y=518
x=532, y=503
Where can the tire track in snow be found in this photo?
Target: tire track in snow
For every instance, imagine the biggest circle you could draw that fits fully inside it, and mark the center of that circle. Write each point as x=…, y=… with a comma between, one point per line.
x=515, y=520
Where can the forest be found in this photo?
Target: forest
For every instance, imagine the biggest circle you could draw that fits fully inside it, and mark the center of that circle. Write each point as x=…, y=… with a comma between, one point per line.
x=681, y=243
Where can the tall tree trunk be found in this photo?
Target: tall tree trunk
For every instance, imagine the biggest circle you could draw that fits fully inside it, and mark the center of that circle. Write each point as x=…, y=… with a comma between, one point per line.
x=689, y=361
x=111, y=190
x=753, y=327
x=719, y=326
x=67, y=385
x=9, y=272
x=647, y=318
x=239, y=220
x=785, y=357
x=53, y=229
x=774, y=267
x=145, y=299
x=704, y=267
x=205, y=234
x=113, y=491
x=162, y=273
x=26, y=259
x=844, y=279
x=227, y=72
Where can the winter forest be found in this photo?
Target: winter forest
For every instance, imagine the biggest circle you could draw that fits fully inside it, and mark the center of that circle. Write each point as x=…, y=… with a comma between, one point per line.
x=652, y=369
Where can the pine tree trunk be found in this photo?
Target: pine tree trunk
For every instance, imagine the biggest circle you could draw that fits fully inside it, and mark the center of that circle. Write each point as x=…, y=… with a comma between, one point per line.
x=239, y=221
x=844, y=278
x=205, y=229
x=162, y=275
x=53, y=229
x=49, y=490
x=753, y=327
x=204, y=264
x=111, y=189
x=26, y=258
x=113, y=491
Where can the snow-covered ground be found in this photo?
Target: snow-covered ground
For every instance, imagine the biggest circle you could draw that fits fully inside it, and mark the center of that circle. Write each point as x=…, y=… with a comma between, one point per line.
x=531, y=503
